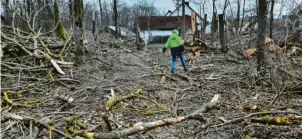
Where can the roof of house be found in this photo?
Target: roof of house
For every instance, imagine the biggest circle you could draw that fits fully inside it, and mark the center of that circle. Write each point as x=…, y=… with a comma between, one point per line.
x=124, y=31
x=169, y=13
x=162, y=22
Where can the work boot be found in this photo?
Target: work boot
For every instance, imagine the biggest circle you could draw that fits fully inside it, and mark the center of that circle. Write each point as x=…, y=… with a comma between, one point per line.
x=187, y=71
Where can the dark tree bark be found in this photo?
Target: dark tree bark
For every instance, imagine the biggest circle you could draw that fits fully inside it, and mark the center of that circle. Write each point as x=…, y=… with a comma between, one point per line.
x=79, y=31
x=214, y=20
x=79, y=13
x=93, y=25
x=115, y=19
x=238, y=15
x=225, y=6
x=50, y=14
x=71, y=13
x=204, y=24
x=40, y=5
x=101, y=10
x=28, y=9
x=5, y=14
x=214, y=24
x=262, y=12
x=61, y=30
x=271, y=19
x=243, y=15
x=221, y=33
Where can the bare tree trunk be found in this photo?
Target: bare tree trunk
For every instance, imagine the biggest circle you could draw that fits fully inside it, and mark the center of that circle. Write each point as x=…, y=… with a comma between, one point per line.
x=115, y=19
x=79, y=14
x=271, y=19
x=101, y=10
x=243, y=16
x=39, y=23
x=28, y=2
x=193, y=25
x=50, y=13
x=137, y=35
x=221, y=33
x=5, y=16
x=71, y=14
x=61, y=30
x=29, y=12
x=225, y=6
x=93, y=25
x=204, y=24
x=238, y=15
x=214, y=20
x=257, y=5
x=183, y=19
x=79, y=31
x=262, y=6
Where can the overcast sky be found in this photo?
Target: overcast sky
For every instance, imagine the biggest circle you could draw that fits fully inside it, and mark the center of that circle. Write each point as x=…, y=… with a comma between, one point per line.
x=162, y=4
x=166, y=5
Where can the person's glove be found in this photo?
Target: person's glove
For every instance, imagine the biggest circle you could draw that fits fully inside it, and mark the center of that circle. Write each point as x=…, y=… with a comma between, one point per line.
x=164, y=49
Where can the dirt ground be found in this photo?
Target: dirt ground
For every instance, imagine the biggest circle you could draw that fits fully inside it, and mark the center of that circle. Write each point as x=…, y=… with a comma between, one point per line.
x=127, y=70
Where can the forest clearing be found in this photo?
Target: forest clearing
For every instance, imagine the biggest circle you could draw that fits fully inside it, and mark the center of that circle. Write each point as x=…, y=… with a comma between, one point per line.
x=102, y=86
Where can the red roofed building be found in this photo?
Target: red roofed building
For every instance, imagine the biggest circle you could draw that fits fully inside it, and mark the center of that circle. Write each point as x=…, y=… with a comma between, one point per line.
x=162, y=22
x=157, y=29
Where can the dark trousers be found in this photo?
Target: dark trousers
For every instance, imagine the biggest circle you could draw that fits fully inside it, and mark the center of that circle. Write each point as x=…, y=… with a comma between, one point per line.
x=178, y=52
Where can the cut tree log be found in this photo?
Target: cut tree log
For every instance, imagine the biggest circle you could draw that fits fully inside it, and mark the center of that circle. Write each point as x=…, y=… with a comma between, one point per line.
x=197, y=43
x=249, y=52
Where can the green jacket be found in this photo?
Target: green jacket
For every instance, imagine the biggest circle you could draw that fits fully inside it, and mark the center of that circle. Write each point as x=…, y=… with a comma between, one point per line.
x=174, y=40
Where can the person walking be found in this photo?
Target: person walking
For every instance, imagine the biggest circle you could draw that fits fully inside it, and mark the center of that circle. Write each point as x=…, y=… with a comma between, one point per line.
x=175, y=44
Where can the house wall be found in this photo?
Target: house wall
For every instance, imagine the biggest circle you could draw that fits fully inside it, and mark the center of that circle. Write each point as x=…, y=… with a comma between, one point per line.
x=144, y=34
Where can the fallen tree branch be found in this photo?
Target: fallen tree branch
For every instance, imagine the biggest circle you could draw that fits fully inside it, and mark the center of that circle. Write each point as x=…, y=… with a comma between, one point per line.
x=143, y=127
x=66, y=99
x=113, y=100
x=106, y=120
x=185, y=77
x=8, y=116
x=277, y=120
x=10, y=102
x=289, y=74
x=256, y=114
